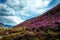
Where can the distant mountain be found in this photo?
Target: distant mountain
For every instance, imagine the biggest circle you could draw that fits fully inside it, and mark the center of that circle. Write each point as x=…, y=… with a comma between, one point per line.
x=2, y=26
x=51, y=18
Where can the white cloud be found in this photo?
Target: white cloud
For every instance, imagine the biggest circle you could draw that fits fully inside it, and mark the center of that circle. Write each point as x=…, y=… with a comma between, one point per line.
x=7, y=8
x=1, y=6
x=14, y=8
x=22, y=13
x=41, y=4
x=37, y=3
x=17, y=2
x=33, y=5
x=15, y=19
x=41, y=11
x=29, y=5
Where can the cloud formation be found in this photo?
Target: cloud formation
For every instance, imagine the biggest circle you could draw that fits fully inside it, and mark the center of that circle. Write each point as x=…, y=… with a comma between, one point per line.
x=13, y=12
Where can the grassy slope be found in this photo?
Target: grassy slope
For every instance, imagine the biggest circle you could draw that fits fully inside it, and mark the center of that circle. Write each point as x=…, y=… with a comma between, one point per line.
x=29, y=34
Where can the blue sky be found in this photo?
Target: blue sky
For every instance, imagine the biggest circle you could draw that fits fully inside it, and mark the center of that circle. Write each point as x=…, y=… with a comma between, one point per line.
x=13, y=12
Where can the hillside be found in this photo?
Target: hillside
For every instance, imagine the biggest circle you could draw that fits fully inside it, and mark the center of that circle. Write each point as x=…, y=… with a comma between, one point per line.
x=51, y=18
x=44, y=27
x=24, y=33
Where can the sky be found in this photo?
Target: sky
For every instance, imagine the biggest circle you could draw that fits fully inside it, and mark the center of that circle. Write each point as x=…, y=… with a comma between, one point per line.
x=14, y=12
